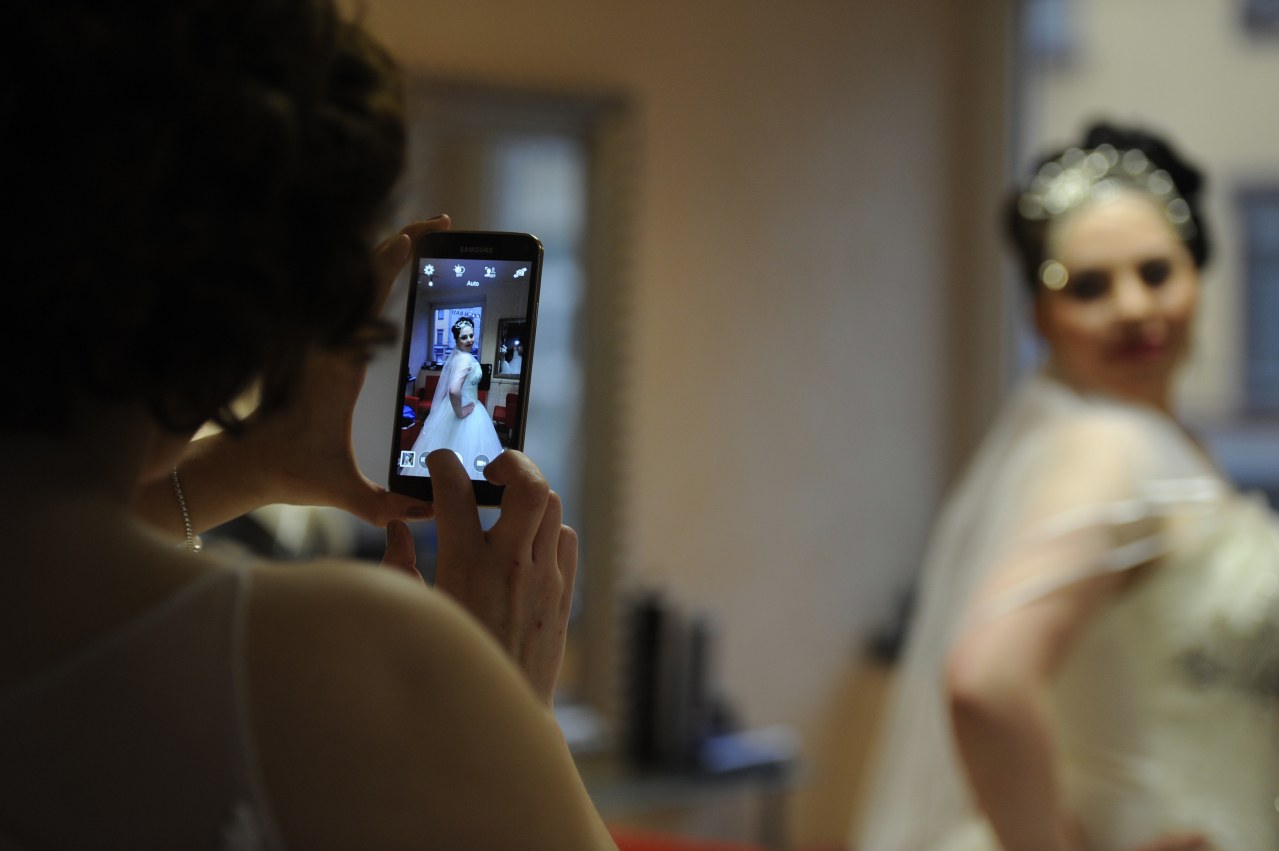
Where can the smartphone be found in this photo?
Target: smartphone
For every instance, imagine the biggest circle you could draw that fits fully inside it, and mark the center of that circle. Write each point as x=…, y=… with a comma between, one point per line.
x=467, y=358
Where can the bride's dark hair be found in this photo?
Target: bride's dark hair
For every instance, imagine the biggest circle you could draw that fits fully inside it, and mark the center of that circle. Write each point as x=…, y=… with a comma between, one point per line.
x=1029, y=235
x=457, y=326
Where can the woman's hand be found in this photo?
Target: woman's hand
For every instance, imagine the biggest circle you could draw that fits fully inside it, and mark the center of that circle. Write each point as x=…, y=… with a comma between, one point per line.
x=309, y=444
x=401, y=553
x=517, y=577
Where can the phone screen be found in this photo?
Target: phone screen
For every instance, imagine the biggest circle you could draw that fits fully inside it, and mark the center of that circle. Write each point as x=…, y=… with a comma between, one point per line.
x=467, y=354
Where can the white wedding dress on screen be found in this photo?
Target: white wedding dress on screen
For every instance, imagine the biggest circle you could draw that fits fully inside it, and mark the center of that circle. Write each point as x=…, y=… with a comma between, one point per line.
x=473, y=437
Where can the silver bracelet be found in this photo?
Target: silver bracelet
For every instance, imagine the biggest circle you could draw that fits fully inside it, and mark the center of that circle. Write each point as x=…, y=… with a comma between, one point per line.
x=193, y=542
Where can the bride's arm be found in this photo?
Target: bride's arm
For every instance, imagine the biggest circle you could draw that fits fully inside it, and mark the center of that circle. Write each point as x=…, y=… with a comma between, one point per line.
x=461, y=369
x=997, y=684
x=1034, y=605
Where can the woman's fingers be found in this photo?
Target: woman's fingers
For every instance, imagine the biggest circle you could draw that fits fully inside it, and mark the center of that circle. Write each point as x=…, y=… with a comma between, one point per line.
x=394, y=251
x=389, y=258
x=524, y=496
x=546, y=569
x=456, y=516
x=541, y=651
x=401, y=553
x=376, y=505
x=546, y=539
x=566, y=558
x=516, y=578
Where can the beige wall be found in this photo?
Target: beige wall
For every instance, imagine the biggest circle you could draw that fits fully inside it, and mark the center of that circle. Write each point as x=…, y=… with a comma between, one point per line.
x=800, y=387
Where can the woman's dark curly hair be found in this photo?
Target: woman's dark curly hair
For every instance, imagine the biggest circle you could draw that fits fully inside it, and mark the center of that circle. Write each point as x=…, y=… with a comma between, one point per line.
x=192, y=187
x=1029, y=236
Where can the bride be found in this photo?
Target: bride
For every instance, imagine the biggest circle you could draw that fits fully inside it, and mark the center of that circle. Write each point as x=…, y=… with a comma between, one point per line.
x=1093, y=664
x=458, y=419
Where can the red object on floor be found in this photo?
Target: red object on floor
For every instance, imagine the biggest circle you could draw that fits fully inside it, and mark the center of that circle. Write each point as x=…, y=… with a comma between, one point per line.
x=638, y=840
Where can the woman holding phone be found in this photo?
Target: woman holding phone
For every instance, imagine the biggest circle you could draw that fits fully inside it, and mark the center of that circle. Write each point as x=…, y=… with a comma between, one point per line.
x=212, y=235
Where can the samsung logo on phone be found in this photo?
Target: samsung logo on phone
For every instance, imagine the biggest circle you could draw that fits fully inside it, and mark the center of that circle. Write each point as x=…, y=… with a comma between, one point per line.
x=476, y=249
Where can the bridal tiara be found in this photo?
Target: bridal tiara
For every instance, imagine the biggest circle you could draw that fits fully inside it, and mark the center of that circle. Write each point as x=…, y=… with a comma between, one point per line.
x=1081, y=176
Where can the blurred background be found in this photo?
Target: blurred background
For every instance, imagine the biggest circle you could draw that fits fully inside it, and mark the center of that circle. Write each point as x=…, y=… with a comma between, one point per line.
x=777, y=313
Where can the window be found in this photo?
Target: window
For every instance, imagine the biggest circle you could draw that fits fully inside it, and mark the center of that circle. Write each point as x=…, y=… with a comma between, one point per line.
x=1261, y=16
x=1048, y=31
x=1259, y=217
x=444, y=317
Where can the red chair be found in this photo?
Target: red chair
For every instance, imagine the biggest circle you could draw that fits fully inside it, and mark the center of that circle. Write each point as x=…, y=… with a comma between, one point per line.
x=505, y=416
x=425, y=394
x=511, y=411
x=427, y=390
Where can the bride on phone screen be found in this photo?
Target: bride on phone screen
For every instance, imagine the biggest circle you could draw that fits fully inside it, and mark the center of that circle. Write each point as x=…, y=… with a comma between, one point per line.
x=458, y=419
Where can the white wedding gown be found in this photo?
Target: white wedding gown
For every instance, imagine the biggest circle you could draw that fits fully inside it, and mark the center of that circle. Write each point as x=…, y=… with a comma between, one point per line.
x=1164, y=714
x=473, y=437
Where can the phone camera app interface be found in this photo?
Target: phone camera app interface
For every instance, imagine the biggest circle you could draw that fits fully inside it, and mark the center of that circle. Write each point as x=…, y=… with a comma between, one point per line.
x=465, y=361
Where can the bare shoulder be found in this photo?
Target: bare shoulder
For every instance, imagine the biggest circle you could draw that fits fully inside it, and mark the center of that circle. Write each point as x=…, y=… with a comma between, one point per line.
x=385, y=717
x=1110, y=431
x=348, y=609
x=1107, y=454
